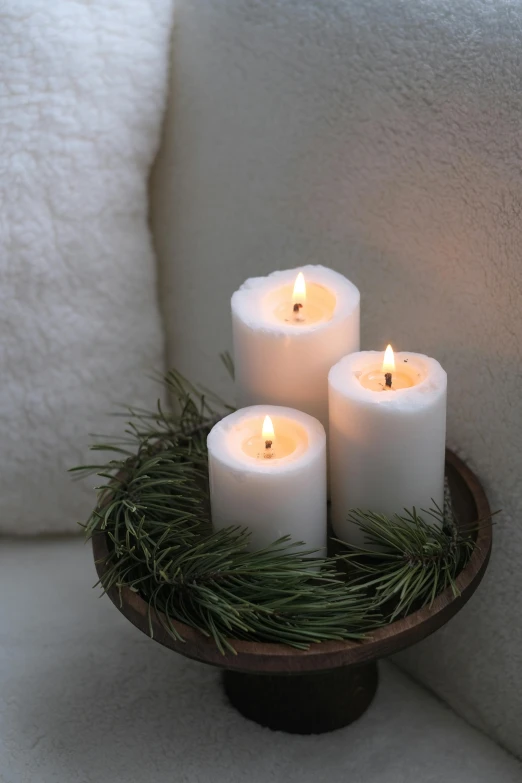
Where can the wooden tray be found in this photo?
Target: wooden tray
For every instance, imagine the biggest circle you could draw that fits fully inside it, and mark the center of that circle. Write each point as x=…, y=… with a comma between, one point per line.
x=332, y=683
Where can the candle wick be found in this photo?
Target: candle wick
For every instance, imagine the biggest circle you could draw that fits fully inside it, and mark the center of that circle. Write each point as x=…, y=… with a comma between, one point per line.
x=388, y=379
x=268, y=454
x=297, y=308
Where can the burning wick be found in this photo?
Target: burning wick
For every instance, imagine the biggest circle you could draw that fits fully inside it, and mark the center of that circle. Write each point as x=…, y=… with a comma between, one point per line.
x=268, y=436
x=299, y=296
x=388, y=366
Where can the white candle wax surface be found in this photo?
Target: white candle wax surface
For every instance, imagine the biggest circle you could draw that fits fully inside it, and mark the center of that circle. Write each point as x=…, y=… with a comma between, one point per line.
x=273, y=490
x=387, y=444
x=285, y=342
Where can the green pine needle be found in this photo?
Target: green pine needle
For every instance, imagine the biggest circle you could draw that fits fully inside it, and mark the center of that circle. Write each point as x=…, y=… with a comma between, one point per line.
x=155, y=514
x=409, y=559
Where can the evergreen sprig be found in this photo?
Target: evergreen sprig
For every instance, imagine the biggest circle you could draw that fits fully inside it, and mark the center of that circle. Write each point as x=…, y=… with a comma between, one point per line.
x=408, y=561
x=155, y=514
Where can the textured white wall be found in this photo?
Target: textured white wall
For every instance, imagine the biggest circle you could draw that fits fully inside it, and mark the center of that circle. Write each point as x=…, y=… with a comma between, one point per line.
x=381, y=138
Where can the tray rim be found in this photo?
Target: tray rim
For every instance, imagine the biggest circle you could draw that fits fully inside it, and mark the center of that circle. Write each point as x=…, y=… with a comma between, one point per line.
x=265, y=657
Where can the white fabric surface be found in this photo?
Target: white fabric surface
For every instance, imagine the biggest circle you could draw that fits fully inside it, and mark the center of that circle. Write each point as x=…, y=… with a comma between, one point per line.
x=81, y=100
x=84, y=698
x=381, y=138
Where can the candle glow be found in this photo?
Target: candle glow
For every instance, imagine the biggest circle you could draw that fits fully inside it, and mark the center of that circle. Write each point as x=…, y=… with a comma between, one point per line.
x=386, y=377
x=299, y=296
x=299, y=293
x=388, y=367
x=268, y=435
x=267, y=431
x=262, y=443
x=388, y=364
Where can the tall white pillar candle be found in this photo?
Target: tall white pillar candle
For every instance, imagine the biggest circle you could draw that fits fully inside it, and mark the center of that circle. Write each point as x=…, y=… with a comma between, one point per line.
x=387, y=436
x=267, y=469
x=289, y=329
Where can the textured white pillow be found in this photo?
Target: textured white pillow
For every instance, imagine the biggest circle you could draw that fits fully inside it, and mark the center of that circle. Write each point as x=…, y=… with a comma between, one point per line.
x=81, y=100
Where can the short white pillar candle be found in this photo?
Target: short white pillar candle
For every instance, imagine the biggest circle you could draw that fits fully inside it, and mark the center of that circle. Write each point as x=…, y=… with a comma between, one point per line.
x=387, y=436
x=289, y=329
x=267, y=470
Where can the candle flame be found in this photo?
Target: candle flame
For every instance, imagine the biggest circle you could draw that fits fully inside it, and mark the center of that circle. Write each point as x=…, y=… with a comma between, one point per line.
x=388, y=364
x=268, y=429
x=299, y=295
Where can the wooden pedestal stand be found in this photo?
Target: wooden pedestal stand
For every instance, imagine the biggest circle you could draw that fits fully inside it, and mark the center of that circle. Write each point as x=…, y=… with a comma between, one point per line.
x=331, y=684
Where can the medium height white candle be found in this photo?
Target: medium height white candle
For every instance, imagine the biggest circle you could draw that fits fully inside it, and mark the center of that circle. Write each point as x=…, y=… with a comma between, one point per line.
x=267, y=470
x=387, y=436
x=289, y=329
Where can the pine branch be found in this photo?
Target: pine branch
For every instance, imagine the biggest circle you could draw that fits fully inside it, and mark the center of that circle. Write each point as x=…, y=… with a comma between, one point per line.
x=154, y=511
x=409, y=559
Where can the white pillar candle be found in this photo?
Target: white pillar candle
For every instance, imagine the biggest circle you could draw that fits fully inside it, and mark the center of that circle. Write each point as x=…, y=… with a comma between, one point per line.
x=387, y=436
x=289, y=329
x=267, y=470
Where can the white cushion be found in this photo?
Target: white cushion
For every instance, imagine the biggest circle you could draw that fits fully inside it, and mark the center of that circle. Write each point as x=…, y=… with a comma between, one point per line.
x=85, y=697
x=382, y=138
x=82, y=96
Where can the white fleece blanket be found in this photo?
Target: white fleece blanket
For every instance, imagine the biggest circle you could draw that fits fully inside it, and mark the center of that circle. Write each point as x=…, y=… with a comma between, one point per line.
x=82, y=93
x=87, y=698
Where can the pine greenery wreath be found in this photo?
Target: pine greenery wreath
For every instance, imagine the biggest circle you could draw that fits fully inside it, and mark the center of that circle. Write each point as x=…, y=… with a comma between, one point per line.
x=155, y=514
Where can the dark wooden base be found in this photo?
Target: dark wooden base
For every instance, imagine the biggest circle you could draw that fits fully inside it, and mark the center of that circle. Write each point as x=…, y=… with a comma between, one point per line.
x=306, y=703
x=331, y=684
